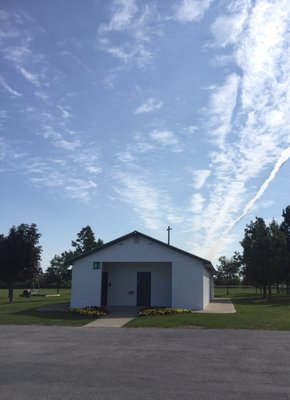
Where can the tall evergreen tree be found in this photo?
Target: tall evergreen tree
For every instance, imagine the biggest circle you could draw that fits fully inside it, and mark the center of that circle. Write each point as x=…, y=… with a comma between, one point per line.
x=263, y=253
x=285, y=227
x=59, y=272
x=86, y=241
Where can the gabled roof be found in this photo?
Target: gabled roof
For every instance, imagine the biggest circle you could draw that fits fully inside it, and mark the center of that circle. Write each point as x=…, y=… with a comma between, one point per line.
x=207, y=264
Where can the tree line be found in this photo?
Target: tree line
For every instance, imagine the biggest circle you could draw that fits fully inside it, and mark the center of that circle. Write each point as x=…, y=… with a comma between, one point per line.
x=58, y=273
x=20, y=258
x=265, y=257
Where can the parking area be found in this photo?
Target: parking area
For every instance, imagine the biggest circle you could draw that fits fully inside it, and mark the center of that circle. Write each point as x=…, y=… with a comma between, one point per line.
x=106, y=363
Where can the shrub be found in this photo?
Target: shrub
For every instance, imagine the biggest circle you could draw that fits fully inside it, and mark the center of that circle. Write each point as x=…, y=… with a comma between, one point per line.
x=149, y=311
x=90, y=311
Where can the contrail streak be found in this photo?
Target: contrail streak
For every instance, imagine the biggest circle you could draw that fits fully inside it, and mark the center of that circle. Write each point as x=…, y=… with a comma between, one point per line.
x=285, y=155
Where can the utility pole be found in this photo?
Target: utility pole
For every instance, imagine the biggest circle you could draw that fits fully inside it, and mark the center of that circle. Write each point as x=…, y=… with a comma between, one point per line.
x=168, y=230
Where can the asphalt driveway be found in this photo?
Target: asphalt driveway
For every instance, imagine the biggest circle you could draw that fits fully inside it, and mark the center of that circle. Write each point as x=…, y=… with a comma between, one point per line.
x=106, y=363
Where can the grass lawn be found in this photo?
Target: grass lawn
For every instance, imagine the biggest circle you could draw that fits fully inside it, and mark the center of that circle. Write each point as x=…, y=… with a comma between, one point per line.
x=24, y=311
x=252, y=313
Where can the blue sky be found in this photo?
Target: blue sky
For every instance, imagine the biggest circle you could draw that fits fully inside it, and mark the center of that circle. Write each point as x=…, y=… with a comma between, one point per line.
x=127, y=114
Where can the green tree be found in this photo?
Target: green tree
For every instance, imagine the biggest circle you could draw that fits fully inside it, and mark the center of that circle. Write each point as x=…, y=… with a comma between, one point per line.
x=20, y=255
x=86, y=241
x=58, y=272
x=263, y=254
x=228, y=270
x=285, y=227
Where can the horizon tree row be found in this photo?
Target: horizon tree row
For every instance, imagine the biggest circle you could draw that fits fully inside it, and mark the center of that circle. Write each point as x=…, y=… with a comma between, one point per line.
x=58, y=272
x=20, y=257
x=265, y=258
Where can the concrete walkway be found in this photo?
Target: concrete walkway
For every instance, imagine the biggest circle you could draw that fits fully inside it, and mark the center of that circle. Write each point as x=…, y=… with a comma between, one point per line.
x=119, y=316
x=219, y=306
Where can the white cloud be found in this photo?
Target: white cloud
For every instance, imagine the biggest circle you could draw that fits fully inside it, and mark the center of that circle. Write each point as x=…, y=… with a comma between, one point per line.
x=137, y=27
x=123, y=13
x=65, y=113
x=222, y=104
x=149, y=106
x=11, y=91
x=67, y=145
x=191, y=10
x=227, y=29
x=197, y=203
x=259, y=125
x=80, y=189
x=127, y=158
x=166, y=138
x=140, y=194
x=32, y=77
x=200, y=177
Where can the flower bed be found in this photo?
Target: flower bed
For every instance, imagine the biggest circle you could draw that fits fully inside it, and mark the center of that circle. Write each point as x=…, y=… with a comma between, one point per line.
x=90, y=311
x=149, y=311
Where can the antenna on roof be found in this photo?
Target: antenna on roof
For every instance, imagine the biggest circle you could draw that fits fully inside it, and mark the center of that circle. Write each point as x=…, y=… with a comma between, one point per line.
x=168, y=230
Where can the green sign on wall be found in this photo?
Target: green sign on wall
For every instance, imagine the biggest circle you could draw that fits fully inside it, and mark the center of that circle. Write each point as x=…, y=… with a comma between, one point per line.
x=97, y=265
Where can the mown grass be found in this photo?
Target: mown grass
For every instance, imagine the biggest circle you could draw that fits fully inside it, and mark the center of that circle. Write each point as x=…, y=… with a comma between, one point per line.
x=252, y=312
x=23, y=311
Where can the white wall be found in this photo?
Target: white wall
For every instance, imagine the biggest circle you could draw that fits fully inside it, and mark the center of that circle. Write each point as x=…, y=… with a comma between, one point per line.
x=86, y=284
x=206, y=288
x=122, y=279
x=187, y=289
x=187, y=275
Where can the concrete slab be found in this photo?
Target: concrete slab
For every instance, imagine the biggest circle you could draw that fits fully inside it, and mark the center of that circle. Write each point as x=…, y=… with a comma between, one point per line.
x=117, y=317
x=219, y=306
x=107, y=322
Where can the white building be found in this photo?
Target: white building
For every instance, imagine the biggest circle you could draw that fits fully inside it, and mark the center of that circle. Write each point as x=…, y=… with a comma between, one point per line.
x=138, y=270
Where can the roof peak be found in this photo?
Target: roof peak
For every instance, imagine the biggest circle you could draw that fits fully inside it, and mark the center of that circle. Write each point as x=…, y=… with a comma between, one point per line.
x=134, y=233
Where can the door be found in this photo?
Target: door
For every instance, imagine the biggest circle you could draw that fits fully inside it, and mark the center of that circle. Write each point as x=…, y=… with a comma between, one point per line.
x=104, y=294
x=143, y=289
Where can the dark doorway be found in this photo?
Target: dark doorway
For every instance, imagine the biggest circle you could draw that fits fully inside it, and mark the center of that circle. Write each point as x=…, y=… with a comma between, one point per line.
x=104, y=295
x=143, y=289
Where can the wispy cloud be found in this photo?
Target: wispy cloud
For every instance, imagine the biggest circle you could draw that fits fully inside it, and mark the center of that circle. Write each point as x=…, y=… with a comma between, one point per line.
x=197, y=203
x=65, y=114
x=32, y=77
x=227, y=29
x=148, y=106
x=11, y=91
x=139, y=193
x=154, y=143
x=79, y=61
x=224, y=237
x=137, y=25
x=166, y=138
x=191, y=10
x=123, y=13
x=222, y=105
x=253, y=132
x=17, y=48
x=200, y=177
x=70, y=177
